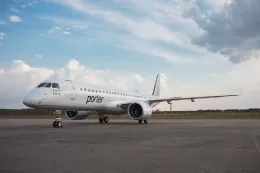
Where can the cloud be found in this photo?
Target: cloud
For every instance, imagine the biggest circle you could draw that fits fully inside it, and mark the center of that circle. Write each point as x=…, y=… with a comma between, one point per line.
x=29, y=4
x=79, y=26
x=39, y=56
x=215, y=5
x=59, y=30
x=66, y=33
x=2, y=35
x=159, y=28
x=137, y=78
x=53, y=29
x=164, y=81
x=143, y=28
x=13, y=9
x=25, y=77
x=74, y=70
x=136, y=26
x=232, y=31
x=2, y=22
x=15, y=19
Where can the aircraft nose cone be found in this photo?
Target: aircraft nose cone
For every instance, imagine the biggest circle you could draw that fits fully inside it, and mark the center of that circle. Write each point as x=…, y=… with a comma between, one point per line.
x=31, y=101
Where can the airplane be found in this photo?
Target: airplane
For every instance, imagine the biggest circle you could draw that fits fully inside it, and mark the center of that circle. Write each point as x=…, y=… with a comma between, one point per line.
x=77, y=99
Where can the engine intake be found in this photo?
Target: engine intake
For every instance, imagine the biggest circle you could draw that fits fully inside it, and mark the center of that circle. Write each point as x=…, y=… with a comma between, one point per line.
x=139, y=111
x=77, y=115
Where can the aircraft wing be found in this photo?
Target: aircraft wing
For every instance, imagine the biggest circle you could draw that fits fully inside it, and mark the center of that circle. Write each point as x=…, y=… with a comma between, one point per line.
x=186, y=98
x=125, y=103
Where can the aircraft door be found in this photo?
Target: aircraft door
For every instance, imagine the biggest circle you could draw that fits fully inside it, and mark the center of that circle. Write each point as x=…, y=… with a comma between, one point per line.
x=72, y=89
x=73, y=93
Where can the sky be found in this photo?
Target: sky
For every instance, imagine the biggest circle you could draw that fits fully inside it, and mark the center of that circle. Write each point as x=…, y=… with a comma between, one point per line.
x=200, y=47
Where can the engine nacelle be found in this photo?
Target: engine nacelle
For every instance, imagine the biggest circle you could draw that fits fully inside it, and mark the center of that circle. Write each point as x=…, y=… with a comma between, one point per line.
x=139, y=111
x=77, y=115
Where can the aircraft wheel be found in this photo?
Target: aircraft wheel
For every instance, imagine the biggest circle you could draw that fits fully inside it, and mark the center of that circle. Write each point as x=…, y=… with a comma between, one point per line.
x=140, y=121
x=100, y=119
x=145, y=121
x=106, y=119
x=57, y=124
x=54, y=124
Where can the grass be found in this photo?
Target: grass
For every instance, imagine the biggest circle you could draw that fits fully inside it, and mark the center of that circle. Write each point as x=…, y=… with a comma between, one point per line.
x=155, y=115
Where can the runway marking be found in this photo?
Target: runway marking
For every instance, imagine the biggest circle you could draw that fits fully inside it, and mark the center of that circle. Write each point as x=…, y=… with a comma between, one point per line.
x=256, y=143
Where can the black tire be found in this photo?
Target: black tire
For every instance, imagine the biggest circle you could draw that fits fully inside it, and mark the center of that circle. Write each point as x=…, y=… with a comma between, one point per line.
x=140, y=121
x=106, y=119
x=100, y=120
x=55, y=124
x=146, y=121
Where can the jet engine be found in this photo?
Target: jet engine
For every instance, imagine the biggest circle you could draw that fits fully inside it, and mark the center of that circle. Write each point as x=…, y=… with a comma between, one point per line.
x=139, y=111
x=77, y=115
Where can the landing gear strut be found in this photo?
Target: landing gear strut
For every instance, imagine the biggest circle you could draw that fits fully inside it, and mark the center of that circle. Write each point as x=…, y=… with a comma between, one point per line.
x=57, y=123
x=141, y=121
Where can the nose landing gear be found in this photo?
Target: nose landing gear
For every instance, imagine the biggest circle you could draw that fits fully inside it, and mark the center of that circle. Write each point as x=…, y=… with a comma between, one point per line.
x=141, y=121
x=57, y=123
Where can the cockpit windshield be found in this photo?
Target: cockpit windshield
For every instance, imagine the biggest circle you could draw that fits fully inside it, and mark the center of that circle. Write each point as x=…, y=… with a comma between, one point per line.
x=41, y=85
x=55, y=85
x=48, y=85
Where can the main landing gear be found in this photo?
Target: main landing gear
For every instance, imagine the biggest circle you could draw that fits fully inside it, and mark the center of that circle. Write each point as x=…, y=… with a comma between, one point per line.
x=57, y=123
x=104, y=119
x=141, y=121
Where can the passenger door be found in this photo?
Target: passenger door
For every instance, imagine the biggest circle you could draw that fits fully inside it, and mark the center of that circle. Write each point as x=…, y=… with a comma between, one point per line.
x=72, y=89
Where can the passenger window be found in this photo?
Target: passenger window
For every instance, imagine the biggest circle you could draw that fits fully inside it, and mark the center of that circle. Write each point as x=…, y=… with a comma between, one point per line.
x=55, y=85
x=48, y=85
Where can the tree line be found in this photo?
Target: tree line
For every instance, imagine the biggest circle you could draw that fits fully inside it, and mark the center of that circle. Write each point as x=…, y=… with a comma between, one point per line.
x=30, y=111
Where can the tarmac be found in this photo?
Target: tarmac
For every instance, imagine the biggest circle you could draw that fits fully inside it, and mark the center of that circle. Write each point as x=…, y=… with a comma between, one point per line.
x=124, y=146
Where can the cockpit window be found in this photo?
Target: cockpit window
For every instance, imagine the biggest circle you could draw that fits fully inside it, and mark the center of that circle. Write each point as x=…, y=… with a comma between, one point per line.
x=55, y=85
x=48, y=85
x=41, y=85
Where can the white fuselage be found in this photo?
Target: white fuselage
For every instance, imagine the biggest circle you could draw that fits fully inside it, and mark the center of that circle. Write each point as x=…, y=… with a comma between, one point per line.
x=77, y=99
x=71, y=95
